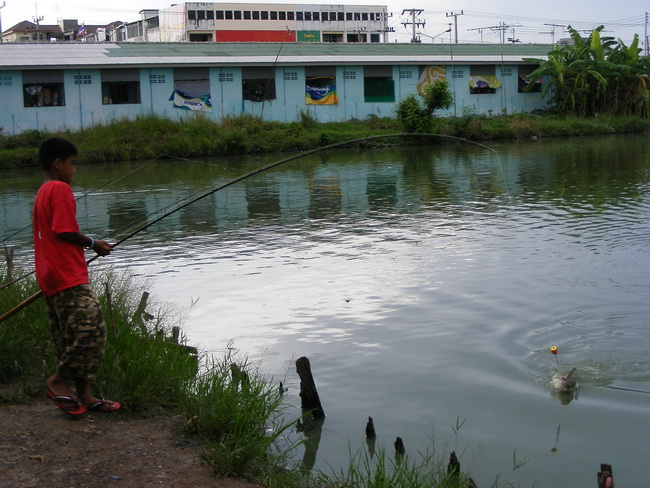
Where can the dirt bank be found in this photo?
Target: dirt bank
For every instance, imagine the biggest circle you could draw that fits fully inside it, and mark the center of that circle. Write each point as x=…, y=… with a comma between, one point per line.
x=41, y=446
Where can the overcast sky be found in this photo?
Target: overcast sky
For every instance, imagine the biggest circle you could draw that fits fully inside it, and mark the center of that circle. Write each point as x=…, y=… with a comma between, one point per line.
x=480, y=21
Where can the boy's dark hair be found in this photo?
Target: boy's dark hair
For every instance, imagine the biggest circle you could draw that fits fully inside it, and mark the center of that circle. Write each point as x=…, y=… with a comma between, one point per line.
x=55, y=148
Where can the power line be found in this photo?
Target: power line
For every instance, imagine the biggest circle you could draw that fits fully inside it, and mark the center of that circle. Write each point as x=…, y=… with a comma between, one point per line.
x=455, y=16
x=414, y=22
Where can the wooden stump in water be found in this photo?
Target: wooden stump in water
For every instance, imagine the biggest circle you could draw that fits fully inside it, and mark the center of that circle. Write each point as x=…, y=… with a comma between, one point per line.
x=453, y=466
x=605, y=476
x=239, y=377
x=309, y=399
x=371, y=437
x=399, y=446
x=140, y=314
x=370, y=429
x=9, y=256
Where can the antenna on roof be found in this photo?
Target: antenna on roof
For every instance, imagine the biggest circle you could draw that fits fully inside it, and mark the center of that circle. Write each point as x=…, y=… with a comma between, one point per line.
x=1, y=6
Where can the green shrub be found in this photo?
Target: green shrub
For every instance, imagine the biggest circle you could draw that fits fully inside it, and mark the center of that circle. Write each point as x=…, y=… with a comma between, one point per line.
x=414, y=118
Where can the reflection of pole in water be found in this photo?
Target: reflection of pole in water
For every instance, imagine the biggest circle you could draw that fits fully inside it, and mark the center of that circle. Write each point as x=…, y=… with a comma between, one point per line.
x=312, y=428
x=371, y=437
x=313, y=415
x=557, y=439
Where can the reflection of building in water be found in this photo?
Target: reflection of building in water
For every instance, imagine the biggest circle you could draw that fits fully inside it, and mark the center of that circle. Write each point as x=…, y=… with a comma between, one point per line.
x=382, y=189
x=325, y=190
x=324, y=195
x=263, y=199
x=125, y=213
x=200, y=216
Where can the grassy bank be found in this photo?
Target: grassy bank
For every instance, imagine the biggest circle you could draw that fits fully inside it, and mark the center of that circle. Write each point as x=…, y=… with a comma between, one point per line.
x=149, y=137
x=239, y=419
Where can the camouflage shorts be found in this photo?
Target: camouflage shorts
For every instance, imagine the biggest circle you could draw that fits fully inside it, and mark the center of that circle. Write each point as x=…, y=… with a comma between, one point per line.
x=78, y=332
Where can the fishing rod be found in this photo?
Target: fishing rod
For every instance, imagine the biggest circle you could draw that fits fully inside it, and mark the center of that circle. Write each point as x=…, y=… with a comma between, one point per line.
x=117, y=178
x=254, y=172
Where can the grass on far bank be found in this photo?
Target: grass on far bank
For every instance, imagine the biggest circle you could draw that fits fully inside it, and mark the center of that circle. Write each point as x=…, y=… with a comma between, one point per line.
x=148, y=137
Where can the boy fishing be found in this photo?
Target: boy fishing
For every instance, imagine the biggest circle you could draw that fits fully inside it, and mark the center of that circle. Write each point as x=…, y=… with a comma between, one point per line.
x=76, y=323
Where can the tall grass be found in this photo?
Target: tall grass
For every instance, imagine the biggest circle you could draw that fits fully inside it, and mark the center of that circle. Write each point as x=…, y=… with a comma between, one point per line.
x=147, y=137
x=381, y=471
x=25, y=356
x=238, y=416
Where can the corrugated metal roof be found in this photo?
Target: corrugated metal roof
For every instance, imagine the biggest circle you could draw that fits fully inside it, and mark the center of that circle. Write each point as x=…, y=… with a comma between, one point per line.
x=86, y=55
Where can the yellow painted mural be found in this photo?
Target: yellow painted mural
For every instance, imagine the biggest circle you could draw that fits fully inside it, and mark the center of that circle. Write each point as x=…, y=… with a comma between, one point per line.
x=429, y=75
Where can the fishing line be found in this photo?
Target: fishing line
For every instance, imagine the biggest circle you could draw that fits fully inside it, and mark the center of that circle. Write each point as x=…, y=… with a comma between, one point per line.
x=626, y=389
x=194, y=199
x=28, y=226
x=118, y=178
x=286, y=160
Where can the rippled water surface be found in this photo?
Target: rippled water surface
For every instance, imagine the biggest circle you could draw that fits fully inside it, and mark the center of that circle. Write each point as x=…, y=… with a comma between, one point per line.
x=425, y=285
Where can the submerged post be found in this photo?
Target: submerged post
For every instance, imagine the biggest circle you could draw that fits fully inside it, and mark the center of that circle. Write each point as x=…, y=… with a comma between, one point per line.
x=399, y=447
x=371, y=437
x=9, y=256
x=137, y=316
x=309, y=399
x=605, y=476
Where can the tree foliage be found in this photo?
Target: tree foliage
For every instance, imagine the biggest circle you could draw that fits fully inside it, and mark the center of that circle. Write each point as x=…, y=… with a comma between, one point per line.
x=596, y=75
x=437, y=96
x=416, y=118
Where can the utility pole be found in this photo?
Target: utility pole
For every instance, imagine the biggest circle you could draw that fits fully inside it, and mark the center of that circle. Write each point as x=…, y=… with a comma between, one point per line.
x=414, y=22
x=513, y=39
x=553, y=26
x=502, y=28
x=37, y=21
x=4, y=3
x=455, y=16
x=647, y=48
x=480, y=31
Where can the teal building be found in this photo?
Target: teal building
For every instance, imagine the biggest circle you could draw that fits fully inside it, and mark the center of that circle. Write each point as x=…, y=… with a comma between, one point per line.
x=75, y=85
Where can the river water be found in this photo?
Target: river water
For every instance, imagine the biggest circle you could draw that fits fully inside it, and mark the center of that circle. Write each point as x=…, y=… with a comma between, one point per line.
x=426, y=286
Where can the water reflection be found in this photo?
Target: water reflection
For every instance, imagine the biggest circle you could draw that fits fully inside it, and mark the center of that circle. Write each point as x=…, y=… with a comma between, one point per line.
x=443, y=274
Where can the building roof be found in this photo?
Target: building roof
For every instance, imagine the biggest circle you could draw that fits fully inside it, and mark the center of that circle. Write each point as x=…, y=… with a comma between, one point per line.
x=102, y=55
x=27, y=26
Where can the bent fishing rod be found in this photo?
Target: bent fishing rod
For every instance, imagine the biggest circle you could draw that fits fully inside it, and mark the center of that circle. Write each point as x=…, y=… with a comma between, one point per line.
x=243, y=177
x=109, y=182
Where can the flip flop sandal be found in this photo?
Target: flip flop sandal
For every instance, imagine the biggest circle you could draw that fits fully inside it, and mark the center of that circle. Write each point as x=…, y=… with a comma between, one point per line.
x=104, y=406
x=69, y=404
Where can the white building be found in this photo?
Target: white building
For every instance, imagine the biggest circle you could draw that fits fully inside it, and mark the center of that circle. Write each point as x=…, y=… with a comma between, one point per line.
x=261, y=22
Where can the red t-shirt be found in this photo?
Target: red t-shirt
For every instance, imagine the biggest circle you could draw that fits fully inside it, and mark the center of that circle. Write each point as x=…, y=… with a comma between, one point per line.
x=59, y=264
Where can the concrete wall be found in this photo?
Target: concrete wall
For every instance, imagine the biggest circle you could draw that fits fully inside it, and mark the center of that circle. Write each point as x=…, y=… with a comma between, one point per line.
x=84, y=107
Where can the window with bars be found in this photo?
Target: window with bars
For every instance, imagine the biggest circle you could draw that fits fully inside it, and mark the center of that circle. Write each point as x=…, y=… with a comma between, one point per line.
x=524, y=80
x=43, y=88
x=349, y=75
x=291, y=76
x=225, y=77
x=258, y=84
x=120, y=86
x=406, y=74
x=378, y=84
x=6, y=81
x=456, y=74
